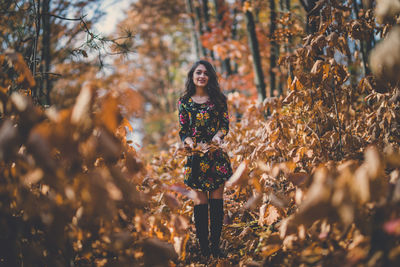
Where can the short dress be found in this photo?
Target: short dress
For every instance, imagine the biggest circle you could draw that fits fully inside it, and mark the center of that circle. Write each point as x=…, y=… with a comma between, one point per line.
x=208, y=171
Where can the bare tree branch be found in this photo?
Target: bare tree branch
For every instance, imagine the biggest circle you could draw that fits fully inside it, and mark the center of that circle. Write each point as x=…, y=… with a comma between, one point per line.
x=59, y=17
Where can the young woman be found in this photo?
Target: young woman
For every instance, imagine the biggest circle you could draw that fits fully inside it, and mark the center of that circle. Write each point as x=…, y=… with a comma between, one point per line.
x=203, y=117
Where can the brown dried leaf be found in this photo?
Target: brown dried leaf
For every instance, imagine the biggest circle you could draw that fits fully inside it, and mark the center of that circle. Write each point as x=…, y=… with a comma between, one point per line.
x=157, y=252
x=253, y=201
x=8, y=139
x=298, y=178
x=387, y=9
x=238, y=176
x=131, y=102
x=385, y=58
x=109, y=146
x=270, y=216
x=184, y=191
x=17, y=61
x=81, y=112
x=110, y=115
x=32, y=177
x=270, y=249
x=172, y=202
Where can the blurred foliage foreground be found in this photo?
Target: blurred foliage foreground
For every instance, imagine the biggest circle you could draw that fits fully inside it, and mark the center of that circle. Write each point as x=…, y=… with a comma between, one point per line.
x=317, y=183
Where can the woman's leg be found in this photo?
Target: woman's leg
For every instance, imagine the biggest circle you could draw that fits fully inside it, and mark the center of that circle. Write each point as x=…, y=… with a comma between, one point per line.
x=216, y=219
x=201, y=221
x=201, y=198
x=217, y=193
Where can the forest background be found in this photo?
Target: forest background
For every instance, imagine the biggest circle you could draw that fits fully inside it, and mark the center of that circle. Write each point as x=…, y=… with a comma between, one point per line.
x=313, y=99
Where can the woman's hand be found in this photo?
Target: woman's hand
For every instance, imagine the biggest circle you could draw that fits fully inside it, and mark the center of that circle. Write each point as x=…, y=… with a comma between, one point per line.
x=216, y=139
x=188, y=142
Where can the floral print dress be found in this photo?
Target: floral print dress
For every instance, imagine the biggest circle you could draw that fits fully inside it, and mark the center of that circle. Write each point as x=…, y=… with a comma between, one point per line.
x=208, y=171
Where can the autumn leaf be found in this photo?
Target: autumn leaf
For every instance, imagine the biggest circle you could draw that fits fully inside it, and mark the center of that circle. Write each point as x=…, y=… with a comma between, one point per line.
x=109, y=114
x=157, y=252
x=238, y=176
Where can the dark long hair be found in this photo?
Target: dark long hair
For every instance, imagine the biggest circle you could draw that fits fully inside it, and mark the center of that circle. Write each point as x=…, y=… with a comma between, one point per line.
x=213, y=90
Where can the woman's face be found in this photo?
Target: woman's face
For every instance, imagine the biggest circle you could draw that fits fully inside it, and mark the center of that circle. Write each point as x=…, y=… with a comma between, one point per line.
x=200, y=76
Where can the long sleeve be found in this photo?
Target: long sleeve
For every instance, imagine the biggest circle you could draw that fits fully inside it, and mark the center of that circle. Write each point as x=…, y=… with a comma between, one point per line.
x=224, y=121
x=184, y=121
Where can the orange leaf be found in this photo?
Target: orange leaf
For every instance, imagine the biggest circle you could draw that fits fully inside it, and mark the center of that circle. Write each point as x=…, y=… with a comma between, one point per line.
x=110, y=113
x=269, y=250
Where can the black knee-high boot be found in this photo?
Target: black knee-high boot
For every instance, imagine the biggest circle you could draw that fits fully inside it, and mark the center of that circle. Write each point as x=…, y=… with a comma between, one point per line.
x=216, y=218
x=201, y=223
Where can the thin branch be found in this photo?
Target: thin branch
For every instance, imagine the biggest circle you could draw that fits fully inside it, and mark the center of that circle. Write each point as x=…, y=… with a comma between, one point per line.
x=312, y=131
x=118, y=53
x=86, y=26
x=116, y=39
x=48, y=73
x=338, y=121
x=63, y=18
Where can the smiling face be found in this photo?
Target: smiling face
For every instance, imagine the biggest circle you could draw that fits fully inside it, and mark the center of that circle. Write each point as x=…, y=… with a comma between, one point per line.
x=200, y=76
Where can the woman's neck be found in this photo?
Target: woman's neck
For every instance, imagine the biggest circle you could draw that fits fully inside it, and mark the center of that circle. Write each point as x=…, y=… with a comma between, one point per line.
x=201, y=91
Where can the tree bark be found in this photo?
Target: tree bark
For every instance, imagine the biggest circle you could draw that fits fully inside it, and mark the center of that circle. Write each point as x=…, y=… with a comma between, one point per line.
x=207, y=22
x=219, y=11
x=199, y=29
x=285, y=7
x=234, y=37
x=46, y=54
x=34, y=57
x=365, y=46
x=206, y=15
x=274, y=48
x=308, y=5
x=255, y=52
x=196, y=39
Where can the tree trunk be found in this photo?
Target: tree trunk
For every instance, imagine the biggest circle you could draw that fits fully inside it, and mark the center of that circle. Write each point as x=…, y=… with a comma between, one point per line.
x=274, y=48
x=206, y=15
x=34, y=56
x=234, y=37
x=255, y=52
x=219, y=11
x=311, y=27
x=365, y=45
x=199, y=29
x=196, y=39
x=207, y=22
x=285, y=7
x=46, y=56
